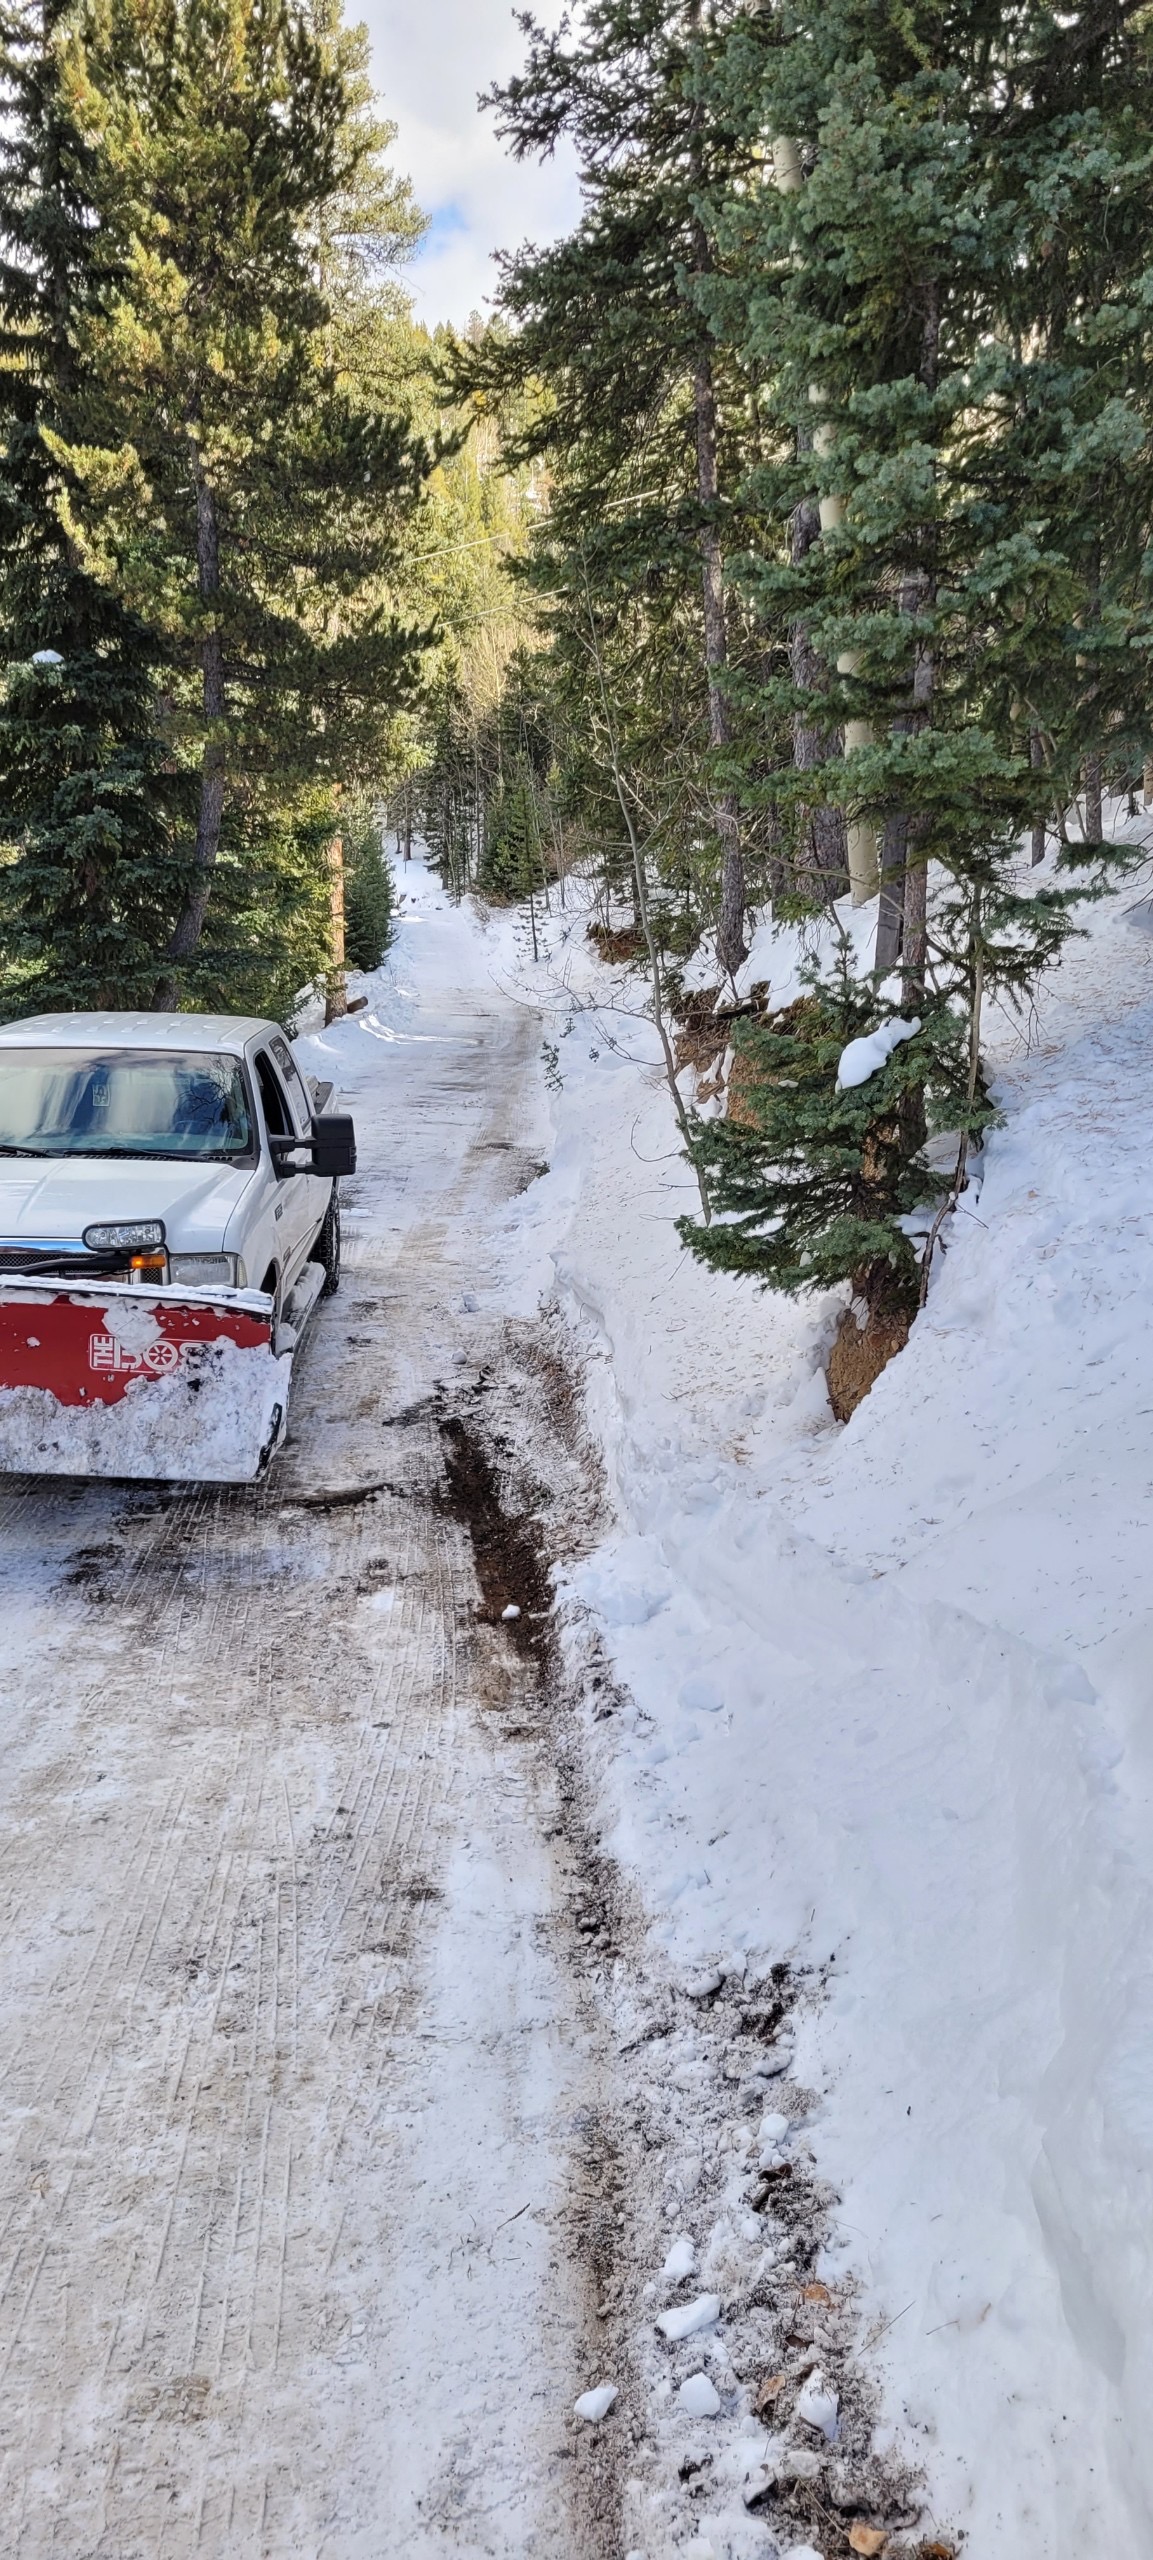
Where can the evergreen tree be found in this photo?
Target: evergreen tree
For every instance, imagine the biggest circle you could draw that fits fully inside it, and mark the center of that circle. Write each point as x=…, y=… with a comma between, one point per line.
x=641, y=422
x=92, y=806
x=228, y=482
x=368, y=891
x=983, y=455
x=512, y=866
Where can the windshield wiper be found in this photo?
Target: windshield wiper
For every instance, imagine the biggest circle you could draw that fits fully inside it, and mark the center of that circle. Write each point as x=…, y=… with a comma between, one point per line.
x=123, y=1155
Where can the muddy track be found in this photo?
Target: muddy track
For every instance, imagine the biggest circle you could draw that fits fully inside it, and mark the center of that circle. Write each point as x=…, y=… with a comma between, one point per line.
x=688, y=2076
x=519, y=1531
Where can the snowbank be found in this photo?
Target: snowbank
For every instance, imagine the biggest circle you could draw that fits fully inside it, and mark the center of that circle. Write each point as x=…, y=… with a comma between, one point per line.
x=888, y=1699
x=891, y=1711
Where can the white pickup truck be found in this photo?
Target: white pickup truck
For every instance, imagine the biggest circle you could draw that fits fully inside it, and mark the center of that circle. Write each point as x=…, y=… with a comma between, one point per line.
x=181, y=1156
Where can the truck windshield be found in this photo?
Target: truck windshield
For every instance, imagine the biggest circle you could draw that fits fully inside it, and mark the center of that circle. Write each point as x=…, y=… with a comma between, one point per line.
x=134, y=1102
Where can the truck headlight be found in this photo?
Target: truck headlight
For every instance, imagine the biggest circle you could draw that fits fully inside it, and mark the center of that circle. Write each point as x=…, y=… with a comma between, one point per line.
x=140, y=1235
x=206, y=1270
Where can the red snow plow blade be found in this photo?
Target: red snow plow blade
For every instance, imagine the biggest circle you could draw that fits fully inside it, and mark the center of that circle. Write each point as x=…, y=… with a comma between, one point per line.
x=106, y=1379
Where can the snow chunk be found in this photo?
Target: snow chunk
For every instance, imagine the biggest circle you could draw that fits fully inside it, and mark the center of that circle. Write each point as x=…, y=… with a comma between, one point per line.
x=512, y=1611
x=697, y=2397
x=691, y=2316
x=135, y=1328
x=595, y=2405
x=818, y=2405
x=701, y=1986
x=681, y=2260
x=862, y=1058
x=702, y=1694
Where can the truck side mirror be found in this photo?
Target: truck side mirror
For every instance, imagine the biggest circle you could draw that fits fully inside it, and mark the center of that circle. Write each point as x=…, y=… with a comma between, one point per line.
x=333, y=1144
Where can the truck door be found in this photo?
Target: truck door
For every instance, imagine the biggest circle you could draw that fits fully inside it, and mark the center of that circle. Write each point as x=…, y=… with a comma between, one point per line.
x=294, y=1224
x=319, y=1186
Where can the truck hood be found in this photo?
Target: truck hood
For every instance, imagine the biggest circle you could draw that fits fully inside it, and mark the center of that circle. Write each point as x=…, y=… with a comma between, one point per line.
x=52, y=1203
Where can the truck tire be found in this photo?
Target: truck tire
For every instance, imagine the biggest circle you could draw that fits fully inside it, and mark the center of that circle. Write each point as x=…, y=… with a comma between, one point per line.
x=326, y=1249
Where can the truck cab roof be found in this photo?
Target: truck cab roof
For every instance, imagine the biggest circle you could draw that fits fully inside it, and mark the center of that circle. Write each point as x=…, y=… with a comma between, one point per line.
x=228, y=1033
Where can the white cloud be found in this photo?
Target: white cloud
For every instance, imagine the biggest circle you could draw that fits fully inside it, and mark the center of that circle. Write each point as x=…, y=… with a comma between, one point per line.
x=430, y=62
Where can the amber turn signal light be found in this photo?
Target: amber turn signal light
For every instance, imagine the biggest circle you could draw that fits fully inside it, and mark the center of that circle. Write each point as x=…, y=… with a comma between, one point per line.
x=145, y=1267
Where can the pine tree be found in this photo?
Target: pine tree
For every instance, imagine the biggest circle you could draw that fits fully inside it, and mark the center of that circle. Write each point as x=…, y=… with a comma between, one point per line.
x=92, y=806
x=639, y=424
x=982, y=452
x=368, y=890
x=231, y=485
x=512, y=866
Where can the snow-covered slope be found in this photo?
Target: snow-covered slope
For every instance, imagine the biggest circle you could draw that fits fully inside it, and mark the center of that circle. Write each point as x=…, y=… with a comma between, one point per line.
x=893, y=1696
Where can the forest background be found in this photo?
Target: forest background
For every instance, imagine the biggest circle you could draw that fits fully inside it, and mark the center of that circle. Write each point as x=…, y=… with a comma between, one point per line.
x=780, y=549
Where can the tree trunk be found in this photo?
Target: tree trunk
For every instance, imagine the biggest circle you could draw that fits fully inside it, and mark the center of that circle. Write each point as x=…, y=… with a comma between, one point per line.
x=335, y=989
x=1094, y=812
x=891, y=908
x=902, y=911
x=731, y=927
x=1037, y=760
x=824, y=827
x=190, y=924
x=915, y=923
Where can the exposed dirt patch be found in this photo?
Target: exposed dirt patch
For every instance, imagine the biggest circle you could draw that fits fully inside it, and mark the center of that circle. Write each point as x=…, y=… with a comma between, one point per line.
x=617, y=942
x=860, y=1351
x=511, y=1565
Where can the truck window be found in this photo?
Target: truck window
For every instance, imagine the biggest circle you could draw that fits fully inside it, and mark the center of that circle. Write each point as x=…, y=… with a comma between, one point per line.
x=293, y=1083
x=128, y=1102
x=277, y=1117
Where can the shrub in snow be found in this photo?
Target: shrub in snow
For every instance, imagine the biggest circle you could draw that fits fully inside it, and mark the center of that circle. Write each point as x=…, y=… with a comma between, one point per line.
x=812, y=1173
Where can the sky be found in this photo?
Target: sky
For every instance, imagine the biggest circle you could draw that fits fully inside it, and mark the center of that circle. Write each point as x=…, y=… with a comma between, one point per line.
x=431, y=59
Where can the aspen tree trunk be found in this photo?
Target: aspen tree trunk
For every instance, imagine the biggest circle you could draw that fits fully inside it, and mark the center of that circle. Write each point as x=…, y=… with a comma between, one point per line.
x=902, y=913
x=210, y=816
x=731, y=920
x=825, y=827
x=731, y=927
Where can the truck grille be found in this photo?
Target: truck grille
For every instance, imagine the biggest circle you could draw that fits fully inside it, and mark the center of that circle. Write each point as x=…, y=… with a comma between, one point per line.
x=60, y=1262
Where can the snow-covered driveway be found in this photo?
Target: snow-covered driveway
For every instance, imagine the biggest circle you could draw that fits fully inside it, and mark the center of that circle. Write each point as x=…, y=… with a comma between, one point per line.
x=288, y=2044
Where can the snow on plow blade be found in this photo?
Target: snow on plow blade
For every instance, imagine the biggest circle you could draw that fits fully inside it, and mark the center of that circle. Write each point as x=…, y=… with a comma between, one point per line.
x=111, y=1380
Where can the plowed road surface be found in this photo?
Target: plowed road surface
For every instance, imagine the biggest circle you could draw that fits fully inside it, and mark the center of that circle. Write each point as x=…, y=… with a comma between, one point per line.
x=286, y=2050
